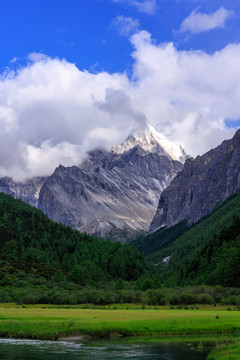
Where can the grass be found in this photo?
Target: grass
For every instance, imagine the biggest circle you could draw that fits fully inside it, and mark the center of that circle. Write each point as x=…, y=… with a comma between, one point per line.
x=52, y=323
x=226, y=352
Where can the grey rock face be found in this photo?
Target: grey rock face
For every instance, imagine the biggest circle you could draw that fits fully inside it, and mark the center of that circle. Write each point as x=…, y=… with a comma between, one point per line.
x=203, y=183
x=27, y=191
x=109, y=190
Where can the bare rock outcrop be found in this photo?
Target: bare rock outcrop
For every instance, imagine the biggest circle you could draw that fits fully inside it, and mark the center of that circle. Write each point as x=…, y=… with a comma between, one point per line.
x=202, y=184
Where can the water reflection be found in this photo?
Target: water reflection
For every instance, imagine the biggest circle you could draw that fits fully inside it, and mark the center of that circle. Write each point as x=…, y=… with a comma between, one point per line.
x=64, y=350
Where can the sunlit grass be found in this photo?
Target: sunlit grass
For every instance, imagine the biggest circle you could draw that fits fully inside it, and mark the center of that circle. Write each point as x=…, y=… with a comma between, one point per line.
x=51, y=323
x=226, y=352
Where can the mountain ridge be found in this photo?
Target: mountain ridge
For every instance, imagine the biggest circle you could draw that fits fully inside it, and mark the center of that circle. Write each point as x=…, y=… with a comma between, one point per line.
x=151, y=141
x=111, y=190
x=124, y=190
x=28, y=190
x=203, y=182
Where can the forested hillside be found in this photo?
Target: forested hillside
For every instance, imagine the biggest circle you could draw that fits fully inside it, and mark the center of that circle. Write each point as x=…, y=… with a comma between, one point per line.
x=45, y=262
x=160, y=239
x=218, y=263
x=29, y=237
x=181, y=250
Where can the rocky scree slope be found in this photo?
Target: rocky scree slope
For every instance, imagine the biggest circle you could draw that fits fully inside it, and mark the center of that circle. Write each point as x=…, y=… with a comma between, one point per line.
x=111, y=190
x=203, y=183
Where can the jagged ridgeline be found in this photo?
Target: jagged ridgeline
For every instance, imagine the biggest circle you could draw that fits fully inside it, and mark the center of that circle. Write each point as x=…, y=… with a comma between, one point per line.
x=203, y=183
x=29, y=237
x=113, y=193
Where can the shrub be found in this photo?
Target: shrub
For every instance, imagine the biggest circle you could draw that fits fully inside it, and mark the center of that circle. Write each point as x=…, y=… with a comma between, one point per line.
x=205, y=299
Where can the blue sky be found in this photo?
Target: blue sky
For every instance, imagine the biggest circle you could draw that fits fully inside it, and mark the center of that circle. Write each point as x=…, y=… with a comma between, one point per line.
x=83, y=31
x=79, y=74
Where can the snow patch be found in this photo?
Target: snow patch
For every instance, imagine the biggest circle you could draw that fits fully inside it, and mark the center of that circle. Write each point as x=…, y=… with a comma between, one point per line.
x=166, y=259
x=152, y=141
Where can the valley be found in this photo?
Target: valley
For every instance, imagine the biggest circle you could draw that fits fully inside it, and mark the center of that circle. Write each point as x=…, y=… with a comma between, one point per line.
x=184, y=272
x=120, y=180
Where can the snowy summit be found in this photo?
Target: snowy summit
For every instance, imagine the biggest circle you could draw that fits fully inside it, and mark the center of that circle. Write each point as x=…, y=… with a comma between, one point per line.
x=152, y=142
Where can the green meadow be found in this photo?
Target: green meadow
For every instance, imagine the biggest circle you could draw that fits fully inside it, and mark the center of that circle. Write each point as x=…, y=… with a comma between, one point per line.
x=53, y=323
x=226, y=352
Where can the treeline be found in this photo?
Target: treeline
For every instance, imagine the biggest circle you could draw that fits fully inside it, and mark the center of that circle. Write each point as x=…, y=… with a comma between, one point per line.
x=28, y=236
x=66, y=293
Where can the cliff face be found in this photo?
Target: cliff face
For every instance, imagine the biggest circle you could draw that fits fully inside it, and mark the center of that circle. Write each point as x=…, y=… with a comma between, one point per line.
x=114, y=191
x=203, y=183
x=119, y=191
x=111, y=190
x=27, y=191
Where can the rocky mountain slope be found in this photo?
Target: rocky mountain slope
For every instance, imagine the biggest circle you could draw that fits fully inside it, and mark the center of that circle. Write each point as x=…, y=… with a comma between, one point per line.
x=113, y=190
x=27, y=191
x=203, y=183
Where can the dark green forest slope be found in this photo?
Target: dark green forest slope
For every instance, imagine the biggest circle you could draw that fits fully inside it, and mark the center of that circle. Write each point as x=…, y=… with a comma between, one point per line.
x=186, y=248
x=160, y=239
x=45, y=262
x=28, y=238
x=218, y=263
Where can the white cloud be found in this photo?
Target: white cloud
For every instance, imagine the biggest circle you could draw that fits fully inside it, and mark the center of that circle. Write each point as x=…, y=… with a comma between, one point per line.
x=145, y=6
x=198, y=22
x=47, y=111
x=187, y=94
x=15, y=59
x=126, y=25
x=51, y=112
x=148, y=6
x=36, y=56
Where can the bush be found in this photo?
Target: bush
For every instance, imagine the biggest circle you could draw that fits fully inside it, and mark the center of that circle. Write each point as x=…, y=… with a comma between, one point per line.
x=205, y=299
x=231, y=300
x=187, y=299
x=174, y=299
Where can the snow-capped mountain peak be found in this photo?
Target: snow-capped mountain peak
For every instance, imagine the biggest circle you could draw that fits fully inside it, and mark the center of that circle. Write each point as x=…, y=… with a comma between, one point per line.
x=152, y=142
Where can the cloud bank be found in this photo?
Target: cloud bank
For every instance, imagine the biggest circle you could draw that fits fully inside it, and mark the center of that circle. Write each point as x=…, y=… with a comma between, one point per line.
x=51, y=112
x=198, y=22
